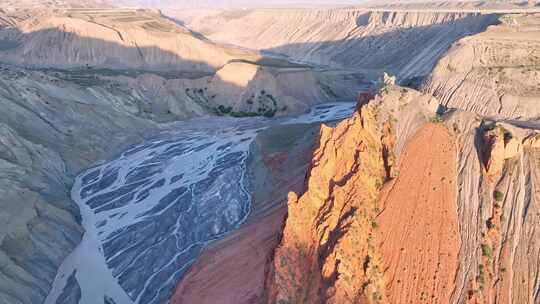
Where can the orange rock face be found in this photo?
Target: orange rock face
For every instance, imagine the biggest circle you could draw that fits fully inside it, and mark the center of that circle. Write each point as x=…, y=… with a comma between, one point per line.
x=418, y=225
x=325, y=253
x=454, y=221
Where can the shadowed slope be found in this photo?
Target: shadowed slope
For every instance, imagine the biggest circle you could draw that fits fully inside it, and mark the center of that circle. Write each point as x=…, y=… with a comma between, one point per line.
x=403, y=43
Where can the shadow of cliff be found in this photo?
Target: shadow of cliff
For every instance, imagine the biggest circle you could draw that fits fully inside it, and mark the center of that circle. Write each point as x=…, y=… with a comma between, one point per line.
x=409, y=53
x=54, y=48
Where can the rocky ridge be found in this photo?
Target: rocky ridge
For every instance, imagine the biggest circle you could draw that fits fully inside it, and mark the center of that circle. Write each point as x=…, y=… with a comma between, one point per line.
x=345, y=232
x=456, y=227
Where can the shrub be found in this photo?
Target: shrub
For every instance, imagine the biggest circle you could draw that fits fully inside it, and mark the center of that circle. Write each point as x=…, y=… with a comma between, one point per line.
x=498, y=195
x=436, y=119
x=487, y=251
x=489, y=224
x=243, y=114
x=223, y=109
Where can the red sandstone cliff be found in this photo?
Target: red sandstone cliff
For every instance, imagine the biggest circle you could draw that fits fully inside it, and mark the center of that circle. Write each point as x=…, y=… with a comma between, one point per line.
x=452, y=221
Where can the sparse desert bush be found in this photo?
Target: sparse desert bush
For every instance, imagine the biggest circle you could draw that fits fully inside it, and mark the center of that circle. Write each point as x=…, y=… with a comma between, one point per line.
x=487, y=251
x=498, y=196
x=224, y=110
x=436, y=119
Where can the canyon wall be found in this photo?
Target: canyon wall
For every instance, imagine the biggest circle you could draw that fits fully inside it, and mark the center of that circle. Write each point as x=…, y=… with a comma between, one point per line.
x=404, y=43
x=494, y=73
x=114, y=38
x=50, y=131
x=330, y=234
x=446, y=224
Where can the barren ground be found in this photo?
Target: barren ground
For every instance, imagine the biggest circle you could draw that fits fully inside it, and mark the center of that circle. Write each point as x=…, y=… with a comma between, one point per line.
x=418, y=233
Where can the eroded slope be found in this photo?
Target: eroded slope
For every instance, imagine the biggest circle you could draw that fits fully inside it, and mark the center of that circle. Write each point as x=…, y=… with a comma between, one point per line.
x=114, y=38
x=404, y=43
x=418, y=226
x=495, y=73
x=455, y=221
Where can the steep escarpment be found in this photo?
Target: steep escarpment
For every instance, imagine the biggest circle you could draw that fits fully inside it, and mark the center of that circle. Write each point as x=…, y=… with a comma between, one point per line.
x=495, y=73
x=329, y=238
x=386, y=221
x=509, y=234
x=405, y=43
x=176, y=72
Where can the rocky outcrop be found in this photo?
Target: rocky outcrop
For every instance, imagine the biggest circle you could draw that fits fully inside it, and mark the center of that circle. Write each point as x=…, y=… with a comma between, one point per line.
x=453, y=223
x=509, y=240
x=329, y=237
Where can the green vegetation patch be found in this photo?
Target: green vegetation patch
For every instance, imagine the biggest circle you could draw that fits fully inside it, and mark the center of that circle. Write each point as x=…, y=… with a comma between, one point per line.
x=498, y=196
x=487, y=251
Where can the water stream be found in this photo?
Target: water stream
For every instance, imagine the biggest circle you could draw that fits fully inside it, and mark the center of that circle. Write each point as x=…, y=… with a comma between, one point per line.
x=149, y=212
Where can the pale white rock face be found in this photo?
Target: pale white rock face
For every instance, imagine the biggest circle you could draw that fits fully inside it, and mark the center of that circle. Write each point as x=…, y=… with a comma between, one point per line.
x=406, y=44
x=97, y=38
x=49, y=130
x=494, y=73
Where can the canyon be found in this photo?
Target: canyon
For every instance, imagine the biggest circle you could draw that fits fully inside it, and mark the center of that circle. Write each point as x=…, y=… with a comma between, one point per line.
x=371, y=154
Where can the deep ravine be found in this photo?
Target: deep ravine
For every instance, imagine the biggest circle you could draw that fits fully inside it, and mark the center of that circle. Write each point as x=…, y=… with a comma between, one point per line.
x=149, y=212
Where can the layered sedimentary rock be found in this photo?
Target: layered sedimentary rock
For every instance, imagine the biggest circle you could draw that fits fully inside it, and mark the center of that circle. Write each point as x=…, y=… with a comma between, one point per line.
x=49, y=131
x=329, y=237
x=452, y=221
x=114, y=38
x=405, y=43
x=178, y=73
x=494, y=73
